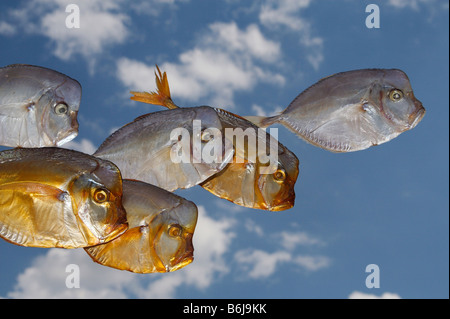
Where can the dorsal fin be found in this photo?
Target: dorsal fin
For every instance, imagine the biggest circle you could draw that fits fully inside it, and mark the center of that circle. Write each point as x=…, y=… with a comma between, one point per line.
x=140, y=117
x=228, y=113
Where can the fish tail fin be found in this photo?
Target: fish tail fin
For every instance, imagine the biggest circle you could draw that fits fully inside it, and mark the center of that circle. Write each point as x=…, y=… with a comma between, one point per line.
x=262, y=121
x=162, y=94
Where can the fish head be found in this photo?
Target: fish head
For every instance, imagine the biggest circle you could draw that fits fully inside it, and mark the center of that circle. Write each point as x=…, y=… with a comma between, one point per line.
x=97, y=201
x=396, y=101
x=174, y=229
x=261, y=174
x=276, y=185
x=159, y=236
x=59, y=107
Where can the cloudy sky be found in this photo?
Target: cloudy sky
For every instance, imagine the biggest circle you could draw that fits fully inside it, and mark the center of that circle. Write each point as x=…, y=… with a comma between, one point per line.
x=387, y=205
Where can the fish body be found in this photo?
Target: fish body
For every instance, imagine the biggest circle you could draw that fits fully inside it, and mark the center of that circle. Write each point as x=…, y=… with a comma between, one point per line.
x=38, y=106
x=148, y=148
x=159, y=237
x=52, y=197
x=249, y=179
x=351, y=111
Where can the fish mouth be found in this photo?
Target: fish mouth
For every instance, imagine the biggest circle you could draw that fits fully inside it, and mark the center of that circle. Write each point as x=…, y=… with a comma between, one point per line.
x=70, y=136
x=181, y=262
x=283, y=206
x=186, y=258
x=278, y=204
x=117, y=227
x=417, y=115
x=115, y=231
x=283, y=200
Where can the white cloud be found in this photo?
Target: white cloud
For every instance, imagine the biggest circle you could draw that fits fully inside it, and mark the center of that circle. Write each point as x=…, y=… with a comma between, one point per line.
x=290, y=240
x=260, y=111
x=152, y=7
x=102, y=24
x=428, y=8
x=224, y=61
x=412, y=4
x=260, y=264
x=46, y=276
x=7, y=29
x=250, y=41
x=286, y=13
x=136, y=75
x=252, y=227
x=312, y=263
x=362, y=295
x=257, y=263
x=84, y=146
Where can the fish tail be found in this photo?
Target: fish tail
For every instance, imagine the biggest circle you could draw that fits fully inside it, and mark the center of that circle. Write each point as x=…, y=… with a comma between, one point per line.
x=262, y=121
x=162, y=94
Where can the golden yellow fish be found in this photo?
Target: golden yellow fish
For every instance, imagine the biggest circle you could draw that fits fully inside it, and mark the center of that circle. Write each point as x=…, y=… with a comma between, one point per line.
x=53, y=197
x=38, y=106
x=243, y=181
x=159, y=238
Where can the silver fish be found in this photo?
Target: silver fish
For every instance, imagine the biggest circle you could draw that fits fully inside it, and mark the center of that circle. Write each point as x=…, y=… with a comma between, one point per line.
x=352, y=111
x=38, y=106
x=54, y=197
x=159, y=237
x=144, y=149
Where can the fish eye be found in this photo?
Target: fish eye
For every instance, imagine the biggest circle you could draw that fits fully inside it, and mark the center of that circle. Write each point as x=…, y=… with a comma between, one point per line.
x=101, y=195
x=395, y=95
x=61, y=108
x=174, y=230
x=279, y=175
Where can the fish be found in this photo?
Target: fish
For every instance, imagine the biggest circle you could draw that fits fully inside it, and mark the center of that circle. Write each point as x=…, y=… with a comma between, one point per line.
x=165, y=148
x=250, y=183
x=55, y=197
x=351, y=111
x=159, y=237
x=248, y=180
x=38, y=106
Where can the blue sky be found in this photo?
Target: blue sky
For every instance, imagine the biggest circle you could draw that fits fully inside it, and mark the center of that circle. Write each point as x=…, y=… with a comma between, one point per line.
x=387, y=205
